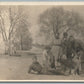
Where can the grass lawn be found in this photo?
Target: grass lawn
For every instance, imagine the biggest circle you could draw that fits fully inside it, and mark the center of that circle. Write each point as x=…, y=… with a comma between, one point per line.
x=16, y=68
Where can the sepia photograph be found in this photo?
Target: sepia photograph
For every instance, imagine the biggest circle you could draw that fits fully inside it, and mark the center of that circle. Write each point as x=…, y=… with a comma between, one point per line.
x=41, y=42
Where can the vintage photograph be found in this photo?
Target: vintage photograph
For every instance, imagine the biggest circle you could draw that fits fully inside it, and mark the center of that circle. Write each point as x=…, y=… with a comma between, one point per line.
x=41, y=42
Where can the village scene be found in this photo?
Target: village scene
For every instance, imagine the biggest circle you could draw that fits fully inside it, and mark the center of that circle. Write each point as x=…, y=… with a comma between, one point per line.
x=41, y=42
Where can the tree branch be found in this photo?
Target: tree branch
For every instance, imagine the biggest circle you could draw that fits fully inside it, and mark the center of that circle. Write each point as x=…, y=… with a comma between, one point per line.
x=13, y=23
x=3, y=28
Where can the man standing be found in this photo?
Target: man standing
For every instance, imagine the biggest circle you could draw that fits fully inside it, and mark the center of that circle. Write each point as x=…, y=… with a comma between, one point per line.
x=63, y=46
x=71, y=48
x=77, y=61
x=62, y=55
x=45, y=60
x=51, y=59
x=48, y=59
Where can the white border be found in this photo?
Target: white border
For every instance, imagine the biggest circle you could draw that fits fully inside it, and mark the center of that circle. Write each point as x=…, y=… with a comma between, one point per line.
x=43, y=81
x=42, y=3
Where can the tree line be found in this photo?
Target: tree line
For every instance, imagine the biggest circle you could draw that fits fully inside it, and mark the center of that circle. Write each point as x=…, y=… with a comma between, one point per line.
x=53, y=22
x=16, y=34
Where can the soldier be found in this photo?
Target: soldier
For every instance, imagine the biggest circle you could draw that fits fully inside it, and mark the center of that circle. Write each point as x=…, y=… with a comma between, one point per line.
x=63, y=45
x=51, y=59
x=63, y=51
x=35, y=66
x=77, y=63
x=71, y=48
x=72, y=53
x=68, y=49
x=77, y=60
x=48, y=60
x=45, y=60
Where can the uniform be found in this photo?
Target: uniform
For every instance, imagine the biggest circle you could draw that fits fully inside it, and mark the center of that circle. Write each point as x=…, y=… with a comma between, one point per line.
x=67, y=49
x=70, y=49
x=63, y=48
x=76, y=64
x=77, y=60
x=45, y=61
x=51, y=60
x=35, y=66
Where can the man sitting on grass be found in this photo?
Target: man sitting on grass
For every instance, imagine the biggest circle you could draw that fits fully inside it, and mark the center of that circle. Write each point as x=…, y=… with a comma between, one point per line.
x=35, y=66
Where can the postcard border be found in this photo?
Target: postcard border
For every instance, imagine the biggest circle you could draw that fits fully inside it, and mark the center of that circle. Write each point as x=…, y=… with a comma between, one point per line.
x=42, y=3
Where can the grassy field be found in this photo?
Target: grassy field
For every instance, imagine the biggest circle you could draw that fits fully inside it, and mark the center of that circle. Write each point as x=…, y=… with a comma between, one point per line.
x=16, y=68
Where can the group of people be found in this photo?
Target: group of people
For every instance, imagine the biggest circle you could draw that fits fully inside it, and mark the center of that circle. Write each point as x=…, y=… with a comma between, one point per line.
x=69, y=57
x=70, y=54
x=48, y=62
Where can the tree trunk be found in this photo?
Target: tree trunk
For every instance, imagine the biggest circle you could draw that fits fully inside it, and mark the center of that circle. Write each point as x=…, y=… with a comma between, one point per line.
x=21, y=44
x=6, y=48
x=9, y=48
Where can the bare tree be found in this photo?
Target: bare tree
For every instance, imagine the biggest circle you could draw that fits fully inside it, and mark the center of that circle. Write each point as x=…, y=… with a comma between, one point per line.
x=14, y=15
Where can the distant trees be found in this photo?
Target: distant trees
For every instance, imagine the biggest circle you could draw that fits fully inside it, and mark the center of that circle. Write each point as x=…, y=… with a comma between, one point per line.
x=56, y=20
x=14, y=26
x=12, y=18
x=23, y=36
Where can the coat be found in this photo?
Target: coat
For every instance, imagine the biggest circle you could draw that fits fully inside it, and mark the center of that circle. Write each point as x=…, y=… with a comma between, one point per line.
x=35, y=66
